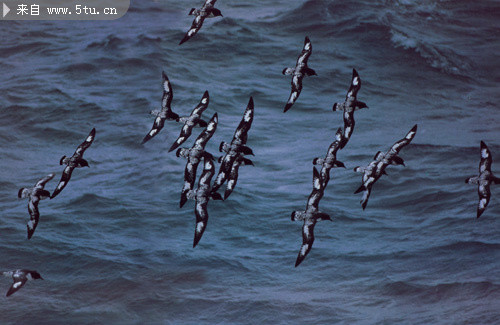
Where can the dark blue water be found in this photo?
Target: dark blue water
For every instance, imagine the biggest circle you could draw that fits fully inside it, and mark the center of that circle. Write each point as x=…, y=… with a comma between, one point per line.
x=114, y=248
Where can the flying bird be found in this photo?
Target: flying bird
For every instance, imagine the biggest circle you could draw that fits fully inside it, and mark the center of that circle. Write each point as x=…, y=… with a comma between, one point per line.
x=236, y=148
x=191, y=120
x=165, y=113
x=34, y=195
x=75, y=161
x=310, y=216
x=20, y=277
x=233, y=175
x=350, y=104
x=194, y=155
x=376, y=168
x=484, y=179
x=298, y=73
x=202, y=194
x=207, y=11
x=330, y=159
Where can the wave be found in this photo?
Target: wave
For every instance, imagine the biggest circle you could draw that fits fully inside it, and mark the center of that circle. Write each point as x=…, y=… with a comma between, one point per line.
x=25, y=48
x=110, y=42
x=441, y=291
x=437, y=56
x=78, y=68
x=468, y=246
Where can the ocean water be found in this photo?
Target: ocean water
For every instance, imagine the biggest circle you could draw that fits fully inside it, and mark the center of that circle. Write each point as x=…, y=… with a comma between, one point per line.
x=114, y=247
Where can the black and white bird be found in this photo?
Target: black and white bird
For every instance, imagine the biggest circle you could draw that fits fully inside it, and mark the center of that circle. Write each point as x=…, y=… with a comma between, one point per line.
x=330, y=159
x=310, y=216
x=191, y=121
x=34, y=195
x=75, y=161
x=350, y=104
x=165, y=113
x=202, y=194
x=298, y=73
x=484, y=179
x=20, y=277
x=233, y=175
x=370, y=176
x=194, y=155
x=207, y=11
x=236, y=148
x=377, y=167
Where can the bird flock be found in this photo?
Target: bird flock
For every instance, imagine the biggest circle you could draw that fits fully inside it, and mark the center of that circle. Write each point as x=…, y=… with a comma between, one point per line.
x=235, y=152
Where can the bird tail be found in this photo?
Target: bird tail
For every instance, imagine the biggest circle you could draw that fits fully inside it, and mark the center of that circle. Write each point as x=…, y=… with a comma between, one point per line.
x=360, y=189
x=216, y=196
x=322, y=216
x=338, y=164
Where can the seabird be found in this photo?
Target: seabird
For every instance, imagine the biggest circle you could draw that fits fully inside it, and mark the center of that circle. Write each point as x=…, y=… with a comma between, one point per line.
x=376, y=168
x=330, y=159
x=75, y=161
x=484, y=179
x=20, y=277
x=298, y=73
x=369, y=177
x=34, y=195
x=310, y=216
x=202, y=194
x=193, y=156
x=236, y=147
x=349, y=106
x=207, y=11
x=165, y=113
x=191, y=120
x=233, y=175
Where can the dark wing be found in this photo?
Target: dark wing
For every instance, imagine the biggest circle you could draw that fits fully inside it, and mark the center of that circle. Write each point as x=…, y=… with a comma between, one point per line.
x=484, y=197
x=485, y=163
x=65, y=177
x=306, y=52
x=202, y=202
x=403, y=142
x=294, y=94
x=16, y=285
x=85, y=144
x=349, y=124
x=189, y=180
x=224, y=171
x=208, y=171
x=232, y=179
x=209, y=131
x=355, y=85
x=157, y=126
x=201, y=219
x=209, y=4
x=317, y=192
x=335, y=146
x=185, y=133
x=34, y=215
x=378, y=156
x=166, y=99
x=241, y=133
x=195, y=27
x=41, y=183
x=202, y=105
x=366, y=196
x=307, y=240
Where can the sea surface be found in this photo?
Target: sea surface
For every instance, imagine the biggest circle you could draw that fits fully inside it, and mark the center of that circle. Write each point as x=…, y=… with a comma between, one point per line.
x=115, y=248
